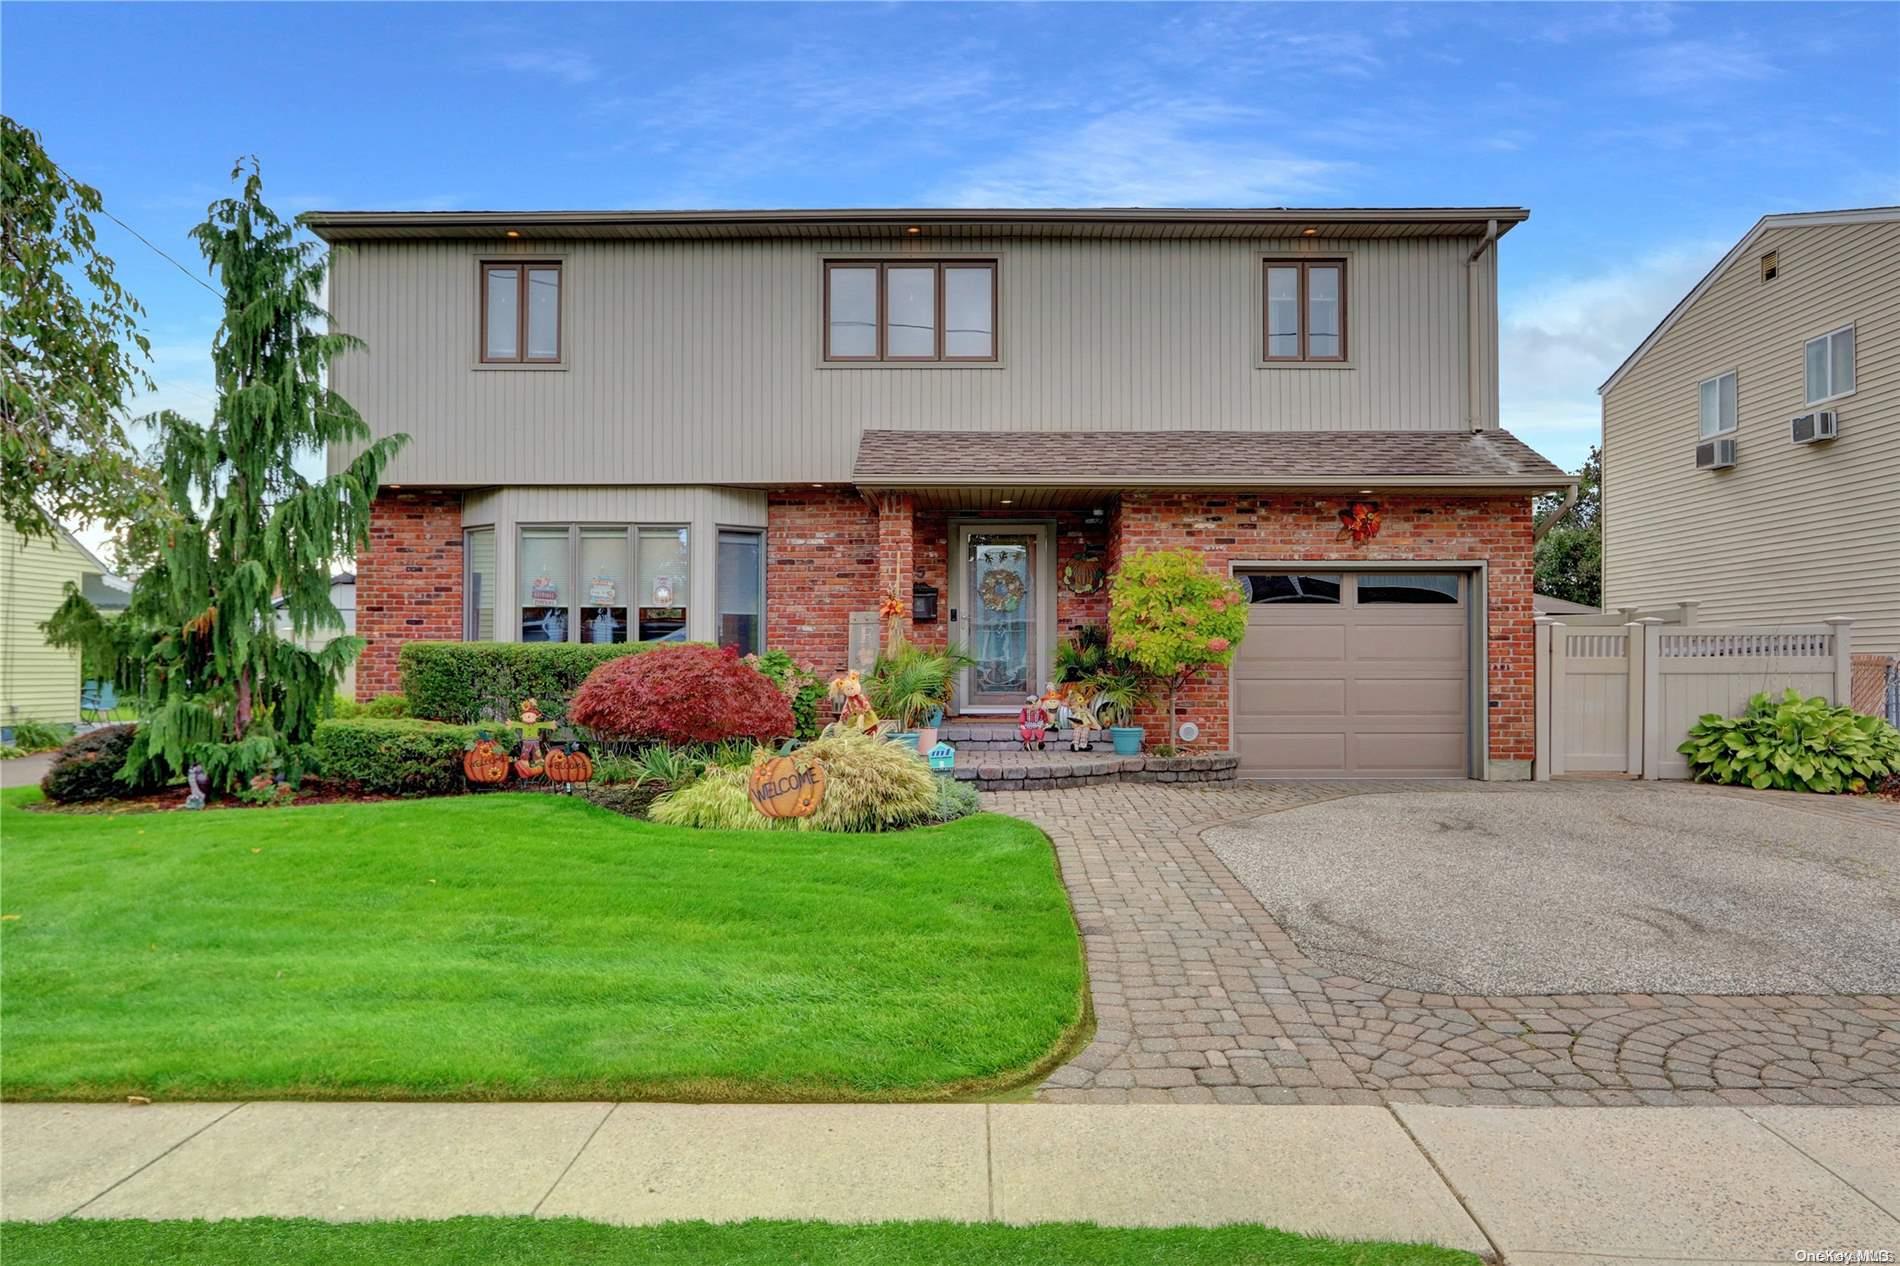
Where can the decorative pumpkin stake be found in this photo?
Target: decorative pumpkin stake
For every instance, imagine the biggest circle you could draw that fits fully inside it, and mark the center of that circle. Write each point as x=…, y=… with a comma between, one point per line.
x=1360, y=521
x=485, y=764
x=780, y=788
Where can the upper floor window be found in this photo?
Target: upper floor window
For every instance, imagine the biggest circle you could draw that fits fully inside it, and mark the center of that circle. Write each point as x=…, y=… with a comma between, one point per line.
x=1306, y=310
x=1831, y=365
x=910, y=310
x=1718, y=404
x=521, y=313
x=1771, y=265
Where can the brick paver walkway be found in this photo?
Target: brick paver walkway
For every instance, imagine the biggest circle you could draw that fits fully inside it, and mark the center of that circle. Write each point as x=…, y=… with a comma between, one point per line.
x=1201, y=997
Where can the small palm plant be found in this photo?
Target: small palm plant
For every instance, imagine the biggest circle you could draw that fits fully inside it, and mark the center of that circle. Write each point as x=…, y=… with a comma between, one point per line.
x=910, y=683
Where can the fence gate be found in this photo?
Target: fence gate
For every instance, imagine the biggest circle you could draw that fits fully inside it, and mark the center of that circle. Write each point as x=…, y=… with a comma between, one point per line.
x=1621, y=699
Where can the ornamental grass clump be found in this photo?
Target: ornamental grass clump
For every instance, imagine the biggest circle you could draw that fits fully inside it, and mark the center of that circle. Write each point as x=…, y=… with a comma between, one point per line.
x=682, y=695
x=871, y=784
x=1793, y=744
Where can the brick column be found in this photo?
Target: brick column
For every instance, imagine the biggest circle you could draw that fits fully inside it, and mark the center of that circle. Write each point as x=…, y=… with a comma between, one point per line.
x=896, y=551
x=408, y=582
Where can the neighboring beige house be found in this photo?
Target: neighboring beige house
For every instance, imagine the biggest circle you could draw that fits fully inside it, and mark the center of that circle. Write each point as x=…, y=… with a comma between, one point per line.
x=1713, y=490
x=39, y=682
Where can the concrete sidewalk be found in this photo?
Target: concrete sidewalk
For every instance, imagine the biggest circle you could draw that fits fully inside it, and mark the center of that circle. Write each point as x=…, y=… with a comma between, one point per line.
x=1545, y=1186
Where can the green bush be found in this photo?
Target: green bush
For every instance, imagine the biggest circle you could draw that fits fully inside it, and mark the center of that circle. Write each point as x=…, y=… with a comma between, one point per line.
x=37, y=736
x=1793, y=744
x=87, y=768
x=806, y=690
x=954, y=800
x=393, y=756
x=382, y=707
x=466, y=682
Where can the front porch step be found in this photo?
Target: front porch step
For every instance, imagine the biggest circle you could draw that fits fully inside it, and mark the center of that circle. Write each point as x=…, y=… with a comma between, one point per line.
x=1055, y=769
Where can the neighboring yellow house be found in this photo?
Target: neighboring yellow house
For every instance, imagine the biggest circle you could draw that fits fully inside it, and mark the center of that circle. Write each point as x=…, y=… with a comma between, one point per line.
x=38, y=682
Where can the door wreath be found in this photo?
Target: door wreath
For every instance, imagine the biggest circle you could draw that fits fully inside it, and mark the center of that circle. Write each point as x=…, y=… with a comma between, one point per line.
x=1001, y=589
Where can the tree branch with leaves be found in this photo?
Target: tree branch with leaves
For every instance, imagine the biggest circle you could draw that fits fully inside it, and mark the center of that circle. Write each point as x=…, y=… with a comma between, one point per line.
x=70, y=352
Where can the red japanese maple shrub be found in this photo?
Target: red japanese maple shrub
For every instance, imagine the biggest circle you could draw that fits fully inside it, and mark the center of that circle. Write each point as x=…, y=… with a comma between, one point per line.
x=682, y=694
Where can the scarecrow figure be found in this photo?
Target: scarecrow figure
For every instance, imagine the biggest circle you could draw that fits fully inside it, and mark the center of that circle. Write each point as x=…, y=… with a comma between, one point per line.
x=531, y=761
x=1033, y=725
x=854, y=710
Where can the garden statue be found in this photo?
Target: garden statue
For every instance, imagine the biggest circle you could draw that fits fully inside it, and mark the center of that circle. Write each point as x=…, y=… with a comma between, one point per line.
x=1082, y=724
x=529, y=761
x=854, y=710
x=1033, y=725
x=200, y=784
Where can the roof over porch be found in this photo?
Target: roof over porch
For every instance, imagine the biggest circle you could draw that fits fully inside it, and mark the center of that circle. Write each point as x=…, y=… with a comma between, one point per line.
x=1105, y=461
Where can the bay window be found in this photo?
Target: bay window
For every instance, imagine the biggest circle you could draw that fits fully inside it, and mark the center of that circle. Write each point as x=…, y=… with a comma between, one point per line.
x=602, y=583
x=741, y=584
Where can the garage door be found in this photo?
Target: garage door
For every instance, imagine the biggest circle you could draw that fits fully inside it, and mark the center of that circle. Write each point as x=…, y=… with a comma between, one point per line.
x=1354, y=675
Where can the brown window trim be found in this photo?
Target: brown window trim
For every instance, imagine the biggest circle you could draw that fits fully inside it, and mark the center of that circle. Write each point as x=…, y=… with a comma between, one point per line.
x=882, y=268
x=1306, y=315
x=521, y=268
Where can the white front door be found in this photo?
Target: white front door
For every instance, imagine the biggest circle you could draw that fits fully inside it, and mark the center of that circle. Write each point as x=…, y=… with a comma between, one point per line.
x=1003, y=611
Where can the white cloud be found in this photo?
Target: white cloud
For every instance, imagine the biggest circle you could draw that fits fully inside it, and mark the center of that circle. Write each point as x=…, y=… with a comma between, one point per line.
x=1558, y=341
x=1145, y=157
x=568, y=65
x=1685, y=66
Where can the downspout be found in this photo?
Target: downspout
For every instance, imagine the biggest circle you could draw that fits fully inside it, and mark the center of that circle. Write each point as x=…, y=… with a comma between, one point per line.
x=1472, y=385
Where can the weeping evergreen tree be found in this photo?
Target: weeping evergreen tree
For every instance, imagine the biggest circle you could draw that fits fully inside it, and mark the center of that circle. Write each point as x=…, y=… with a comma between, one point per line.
x=198, y=645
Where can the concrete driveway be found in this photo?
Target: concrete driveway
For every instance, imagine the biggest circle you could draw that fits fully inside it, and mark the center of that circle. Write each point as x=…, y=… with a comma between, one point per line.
x=1581, y=888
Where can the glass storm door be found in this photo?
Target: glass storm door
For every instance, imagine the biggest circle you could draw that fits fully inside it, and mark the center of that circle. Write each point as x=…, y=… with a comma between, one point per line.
x=1002, y=615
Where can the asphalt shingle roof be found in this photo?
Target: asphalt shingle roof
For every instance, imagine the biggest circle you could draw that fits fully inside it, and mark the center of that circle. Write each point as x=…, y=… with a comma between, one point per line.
x=1161, y=458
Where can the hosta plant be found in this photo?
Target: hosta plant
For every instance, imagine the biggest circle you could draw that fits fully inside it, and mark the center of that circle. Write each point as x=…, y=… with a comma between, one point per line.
x=1793, y=744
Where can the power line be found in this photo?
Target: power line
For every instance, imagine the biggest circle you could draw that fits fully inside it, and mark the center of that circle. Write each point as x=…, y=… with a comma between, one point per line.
x=140, y=236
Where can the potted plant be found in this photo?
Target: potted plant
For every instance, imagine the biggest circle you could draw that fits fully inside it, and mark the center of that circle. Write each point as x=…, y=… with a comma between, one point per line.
x=1111, y=688
x=912, y=687
x=1172, y=616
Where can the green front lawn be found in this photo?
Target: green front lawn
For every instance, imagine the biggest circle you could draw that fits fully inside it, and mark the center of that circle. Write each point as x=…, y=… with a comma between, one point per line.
x=532, y=1242
x=524, y=946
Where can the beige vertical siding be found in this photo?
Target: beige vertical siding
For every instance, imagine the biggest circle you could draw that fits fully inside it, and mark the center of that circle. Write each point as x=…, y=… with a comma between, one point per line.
x=37, y=681
x=1793, y=532
x=699, y=362
x=702, y=511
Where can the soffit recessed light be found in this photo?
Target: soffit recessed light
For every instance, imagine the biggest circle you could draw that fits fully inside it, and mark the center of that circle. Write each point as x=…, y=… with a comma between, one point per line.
x=1006, y=501
x=513, y=233
x=1365, y=492
x=1309, y=231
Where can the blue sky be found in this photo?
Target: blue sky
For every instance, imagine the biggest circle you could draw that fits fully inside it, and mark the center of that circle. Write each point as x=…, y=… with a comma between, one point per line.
x=1644, y=138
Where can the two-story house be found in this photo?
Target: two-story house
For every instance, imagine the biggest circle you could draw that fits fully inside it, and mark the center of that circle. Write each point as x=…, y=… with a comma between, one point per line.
x=1751, y=444
x=756, y=427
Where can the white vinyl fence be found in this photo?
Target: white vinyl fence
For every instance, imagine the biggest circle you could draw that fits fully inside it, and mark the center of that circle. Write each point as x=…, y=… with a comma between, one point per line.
x=1620, y=699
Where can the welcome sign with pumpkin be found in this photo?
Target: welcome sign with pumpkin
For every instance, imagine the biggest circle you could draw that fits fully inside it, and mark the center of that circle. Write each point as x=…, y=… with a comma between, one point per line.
x=783, y=787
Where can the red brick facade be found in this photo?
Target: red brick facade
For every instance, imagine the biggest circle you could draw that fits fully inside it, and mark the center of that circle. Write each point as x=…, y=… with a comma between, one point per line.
x=408, y=582
x=1272, y=527
x=822, y=561
x=831, y=552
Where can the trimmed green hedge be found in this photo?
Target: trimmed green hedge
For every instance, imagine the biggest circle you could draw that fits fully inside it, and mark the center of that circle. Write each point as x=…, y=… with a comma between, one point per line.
x=393, y=757
x=455, y=681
